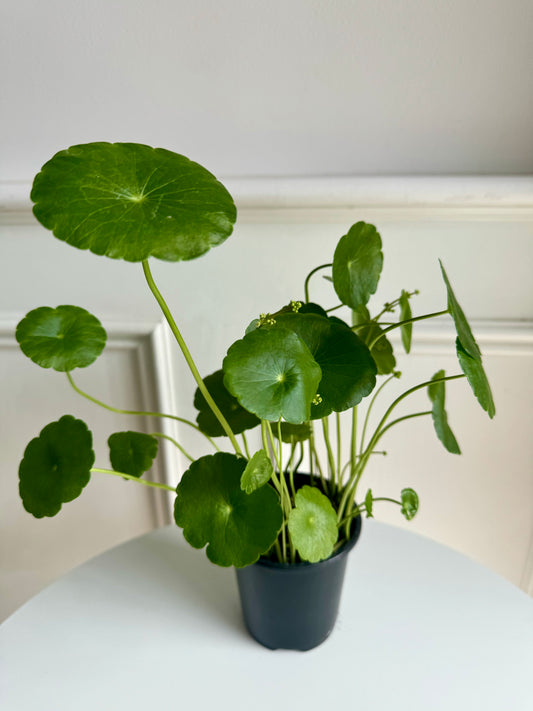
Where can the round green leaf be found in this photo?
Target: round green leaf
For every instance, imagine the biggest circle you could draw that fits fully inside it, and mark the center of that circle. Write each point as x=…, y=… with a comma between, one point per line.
x=357, y=265
x=475, y=374
x=132, y=452
x=257, y=472
x=237, y=417
x=382, y=351
x=63, y=338
x=130, y=201
x=272, y=374
x=437, y=395
x=464, y=332
x=313, y=524
x=409, y=503
x=407, y=328
x=212, y=509
x=348, y=370
x=56, y=466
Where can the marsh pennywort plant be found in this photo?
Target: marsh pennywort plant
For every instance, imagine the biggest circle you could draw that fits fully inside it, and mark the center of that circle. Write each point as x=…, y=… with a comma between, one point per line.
x=292, y=374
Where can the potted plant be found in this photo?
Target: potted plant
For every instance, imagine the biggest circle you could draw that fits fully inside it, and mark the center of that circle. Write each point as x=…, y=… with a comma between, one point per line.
x=292, y=374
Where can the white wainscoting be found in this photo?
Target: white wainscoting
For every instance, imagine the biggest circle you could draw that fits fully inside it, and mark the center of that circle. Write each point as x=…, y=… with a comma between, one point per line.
x=480, y=503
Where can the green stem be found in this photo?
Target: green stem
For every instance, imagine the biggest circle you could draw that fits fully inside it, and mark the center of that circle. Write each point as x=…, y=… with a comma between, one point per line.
x=140, y=413
x=331, y=458
x=334, y=308
x=313, y=271
x=352, y=484
x=339, y=449
x=135, y=478
x=188, y=358
x=402, y=323
x=176, y=444
x=369, y=409
x=245, y=444
x=401, y=419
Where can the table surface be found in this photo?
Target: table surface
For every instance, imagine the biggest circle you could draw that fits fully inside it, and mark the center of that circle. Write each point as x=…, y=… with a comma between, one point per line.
x=152, y=623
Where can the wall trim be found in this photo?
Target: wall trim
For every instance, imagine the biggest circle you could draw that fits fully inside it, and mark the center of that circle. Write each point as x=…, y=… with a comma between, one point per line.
x=150, y=344
x=434, y=196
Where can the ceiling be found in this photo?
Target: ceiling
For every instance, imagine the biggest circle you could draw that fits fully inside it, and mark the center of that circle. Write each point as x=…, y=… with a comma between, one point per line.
x=273, y=88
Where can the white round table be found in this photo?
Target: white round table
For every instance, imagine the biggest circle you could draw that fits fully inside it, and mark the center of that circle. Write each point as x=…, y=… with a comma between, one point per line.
x=152, y=624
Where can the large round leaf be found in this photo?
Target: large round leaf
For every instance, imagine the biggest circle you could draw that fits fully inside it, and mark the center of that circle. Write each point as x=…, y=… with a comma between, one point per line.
x=130, y=201
x=63, y=338
x=475, y=374
x=56, y=466
x=132, y=452
x=348, y=370
x=464, y=332
x=437, y=395
x=357, y=265
x=237, y=417
x=212, y=509
x=313, y=525
x=272, y=373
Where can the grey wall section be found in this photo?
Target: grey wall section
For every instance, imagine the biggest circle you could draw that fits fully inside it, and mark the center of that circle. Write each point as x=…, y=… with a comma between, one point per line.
x=288, y=87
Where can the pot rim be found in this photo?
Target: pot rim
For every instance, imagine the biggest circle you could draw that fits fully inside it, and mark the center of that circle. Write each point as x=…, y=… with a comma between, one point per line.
x=305, y=564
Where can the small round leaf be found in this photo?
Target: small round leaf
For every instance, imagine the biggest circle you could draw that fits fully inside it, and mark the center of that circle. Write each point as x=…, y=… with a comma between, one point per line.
x=257, y=472
x=212, y=509
x=132, y=452
x=464, y=332
x=56, y=466
x=405, y=314
x=357, y=265
x=437, y=395
x=409, y=503
x=63, y=338
x=369, y=504
x=313, y=524
x=272, y=374
x=475, y=374
x=237, y=417
x=382, y=351
x=130, y=201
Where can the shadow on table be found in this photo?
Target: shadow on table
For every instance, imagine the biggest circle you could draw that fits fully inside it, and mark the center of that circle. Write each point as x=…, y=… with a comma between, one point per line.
x=169, y=575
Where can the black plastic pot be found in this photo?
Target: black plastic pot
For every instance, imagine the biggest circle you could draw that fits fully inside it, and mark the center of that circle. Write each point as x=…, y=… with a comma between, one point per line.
x=294, y=606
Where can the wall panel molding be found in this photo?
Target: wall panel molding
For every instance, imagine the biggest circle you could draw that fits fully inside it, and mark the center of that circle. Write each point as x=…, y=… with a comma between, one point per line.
x=301, y=199
x=149, y=343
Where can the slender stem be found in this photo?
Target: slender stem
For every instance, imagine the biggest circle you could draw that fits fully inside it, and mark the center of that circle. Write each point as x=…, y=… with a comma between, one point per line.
x=361, y=507
x=139, y=413
x=135, y=478
x=176, y=444
x=188, y=358
x=339, y=448
x=245, y=443
x=313, y=271
x=331, y=458
x=334, y=308
x=267, y=449
x=369, y=409
x=352, y=484
x=402, y=323
x=353, y=442
x=401, y=419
